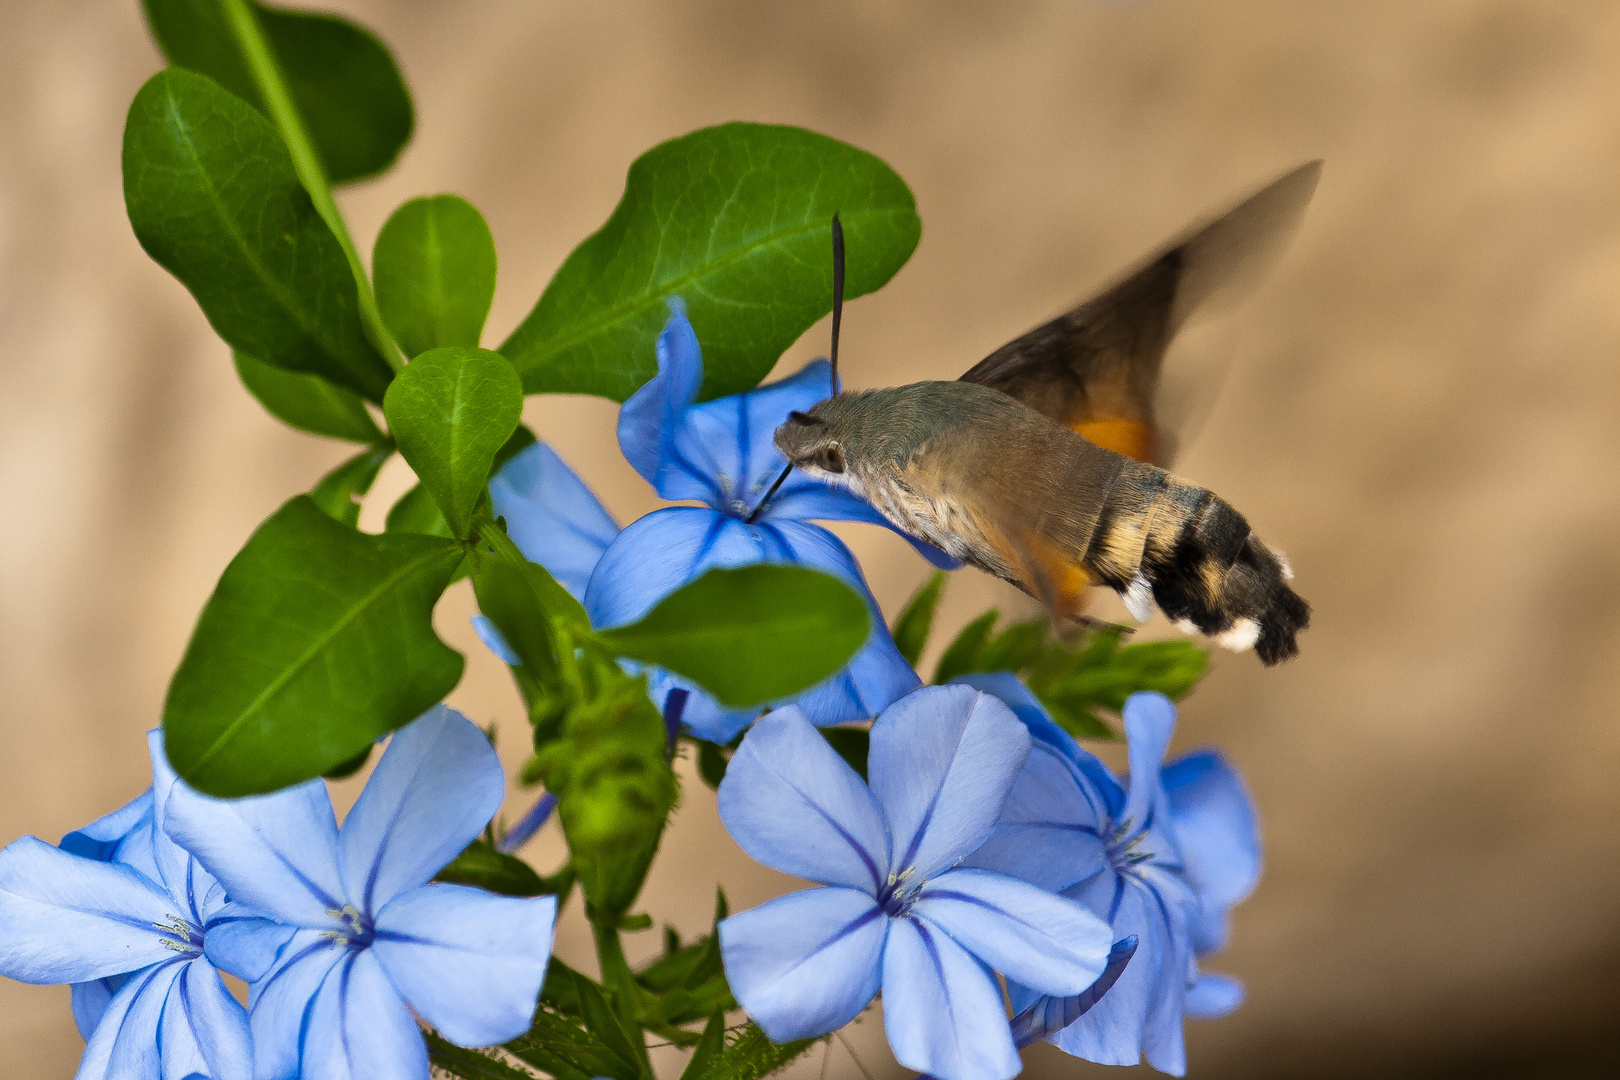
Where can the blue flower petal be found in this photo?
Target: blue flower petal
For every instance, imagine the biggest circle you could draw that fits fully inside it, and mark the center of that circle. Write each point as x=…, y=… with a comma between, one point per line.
x=1046, y=942
x=1213, y=996
x=189, y=884
x=357, y=1027
x=810, y=498
x=246, y=946
x=1219, y=837
x=67, y=919
x=101, y=838
x=793, y=804
x=552, y=516
x=468, y=962
x=125, y=1042
x=1110, y=1032
x=90, y=1001
x=942, y=762
x=734, y=435
x=204, y=1031
x=279, y=1002
x=668, y=548
x=1046, y=1016
x=806, y=963
x=436, y=787
x=652, y=420
x=494, y=640
x=276, y=853
x=1150, y=720
x=942, y=1008
x=1050, y=830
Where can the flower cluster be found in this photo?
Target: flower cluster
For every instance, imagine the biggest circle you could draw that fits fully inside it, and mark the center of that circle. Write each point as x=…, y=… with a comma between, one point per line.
x=985, y=844
x=338, y=932
x=720, y=454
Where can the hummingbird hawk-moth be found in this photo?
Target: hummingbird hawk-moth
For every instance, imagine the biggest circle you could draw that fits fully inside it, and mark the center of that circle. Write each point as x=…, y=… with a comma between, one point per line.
x=1041, y=465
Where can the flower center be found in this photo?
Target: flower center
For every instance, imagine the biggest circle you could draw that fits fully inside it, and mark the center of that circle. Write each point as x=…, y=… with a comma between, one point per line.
x=178, y=935
x=1124, y=848
x=899, y=895
x=357, y=932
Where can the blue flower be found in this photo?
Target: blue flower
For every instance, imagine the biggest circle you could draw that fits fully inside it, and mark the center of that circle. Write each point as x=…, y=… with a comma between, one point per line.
x=720, y=454
x=1162, y=859
x=349, y=938
x=125, y=915
x=897, y=914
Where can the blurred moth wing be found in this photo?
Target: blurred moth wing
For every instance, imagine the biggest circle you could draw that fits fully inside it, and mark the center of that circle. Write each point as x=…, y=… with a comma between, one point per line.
x=1097, y=369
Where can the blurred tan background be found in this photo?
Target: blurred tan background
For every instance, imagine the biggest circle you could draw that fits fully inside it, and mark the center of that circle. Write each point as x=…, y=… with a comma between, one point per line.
x=1423, y=415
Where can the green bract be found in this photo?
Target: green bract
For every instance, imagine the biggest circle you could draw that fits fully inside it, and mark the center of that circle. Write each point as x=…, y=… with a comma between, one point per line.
x=309, y=402
x=434, y=268
x=451, y=410
x=737, y=221
x=317, y=640
x=750, y=635
x=341, y=78
x=213, y=197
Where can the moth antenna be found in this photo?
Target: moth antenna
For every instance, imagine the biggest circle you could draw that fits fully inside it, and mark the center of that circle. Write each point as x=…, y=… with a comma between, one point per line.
x=838, y=294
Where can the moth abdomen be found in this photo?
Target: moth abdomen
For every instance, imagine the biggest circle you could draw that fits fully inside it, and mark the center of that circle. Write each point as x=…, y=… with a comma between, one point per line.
x=1204, y=566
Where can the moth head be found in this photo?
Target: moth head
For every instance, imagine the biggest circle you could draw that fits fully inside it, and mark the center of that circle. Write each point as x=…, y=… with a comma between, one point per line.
x=810, y=443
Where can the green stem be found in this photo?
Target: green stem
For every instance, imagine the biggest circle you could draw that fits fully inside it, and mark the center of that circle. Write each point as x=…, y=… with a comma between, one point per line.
x=490, y=532
x=617, y=978
x=261, y=61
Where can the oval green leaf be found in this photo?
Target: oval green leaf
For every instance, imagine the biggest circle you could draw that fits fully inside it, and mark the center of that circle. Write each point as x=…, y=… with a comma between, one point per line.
x=434, y=270
x=339, y=492
x=342, y=79
x=750, y=635
x=317, y=640
x=212, y=195
x=309, y=402
x=451, y=410
x=737, y=221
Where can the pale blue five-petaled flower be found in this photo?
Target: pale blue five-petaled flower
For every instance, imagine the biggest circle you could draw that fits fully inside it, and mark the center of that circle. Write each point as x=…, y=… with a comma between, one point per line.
x=719, y=454
x=125, y=915
x=1162, y=857
x=349, y=936
x=897, y=913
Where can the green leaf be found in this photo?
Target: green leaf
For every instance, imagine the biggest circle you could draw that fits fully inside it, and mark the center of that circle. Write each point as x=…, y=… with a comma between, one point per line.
x=212, y=195
x=451, y=410
x=962, y=655
x=309, y=402
x=752, y=634
x=690, y=966
x=345, y=769
x=711, y=763
x=564, y=1050
x=482, y=865
x=749, y=1055
x=434, y=270
x=911, y=629
x=522, y=602
x=852, y=743
x=342, y=79
x=471, y=1064
x=708, y=1048
x=317, y=640
x=603, y=1022
x=737, y=221
x=340, y=491
x=1016, y=647
x=416, y=512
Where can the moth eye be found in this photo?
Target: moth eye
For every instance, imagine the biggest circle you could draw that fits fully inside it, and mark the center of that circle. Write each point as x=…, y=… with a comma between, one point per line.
x=831, y=459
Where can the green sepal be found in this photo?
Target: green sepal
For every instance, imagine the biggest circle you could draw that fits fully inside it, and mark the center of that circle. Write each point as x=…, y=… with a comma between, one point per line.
x=213, y=197
x=343, y=81
x=309, y=402
x=737, y=221
x=483, y=865
x=961, y=656
x=317, y=640
x=708, y=1049
x=339, y=492
x=451, y=410
x=602, y=1021
x=748, y=1055
x=916, y=620
x=852, y=743
x=434, y=271
x=751, y=634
